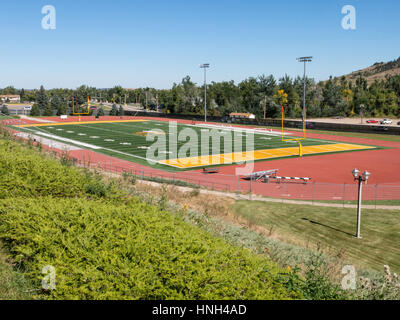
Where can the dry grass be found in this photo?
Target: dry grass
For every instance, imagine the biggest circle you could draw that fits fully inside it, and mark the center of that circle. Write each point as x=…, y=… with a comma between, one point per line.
x=211, y=205
x=13, y=286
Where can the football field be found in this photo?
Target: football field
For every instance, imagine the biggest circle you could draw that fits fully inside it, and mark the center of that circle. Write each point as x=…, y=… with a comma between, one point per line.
x=175, y=146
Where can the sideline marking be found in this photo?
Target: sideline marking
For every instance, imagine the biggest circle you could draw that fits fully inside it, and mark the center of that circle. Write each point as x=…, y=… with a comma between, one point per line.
x=52, y=136
x=75, y=122
x=200, y=161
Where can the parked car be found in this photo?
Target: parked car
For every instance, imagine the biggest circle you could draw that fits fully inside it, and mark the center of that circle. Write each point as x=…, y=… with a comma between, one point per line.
x=338, y=117
x=310, y=125
x=225, y=119
x=380, y=128
x=372, y=121
x=386, y=121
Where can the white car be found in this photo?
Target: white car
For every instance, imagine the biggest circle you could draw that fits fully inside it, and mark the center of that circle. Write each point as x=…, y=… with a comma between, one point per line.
x=386, y=121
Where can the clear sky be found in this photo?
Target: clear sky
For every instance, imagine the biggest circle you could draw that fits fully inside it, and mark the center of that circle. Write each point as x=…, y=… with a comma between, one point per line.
x=139, y=43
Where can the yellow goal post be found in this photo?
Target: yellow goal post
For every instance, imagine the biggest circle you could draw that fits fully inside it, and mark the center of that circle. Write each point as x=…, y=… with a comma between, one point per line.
x=80, y=113
x=298, y=140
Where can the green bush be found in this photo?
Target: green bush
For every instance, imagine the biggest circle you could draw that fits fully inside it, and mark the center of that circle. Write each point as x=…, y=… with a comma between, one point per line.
x=106, y=245
x=26, y=173
x=133, y=251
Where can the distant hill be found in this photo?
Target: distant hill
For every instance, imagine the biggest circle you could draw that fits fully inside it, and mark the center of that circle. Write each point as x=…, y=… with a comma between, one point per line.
x=377, y=71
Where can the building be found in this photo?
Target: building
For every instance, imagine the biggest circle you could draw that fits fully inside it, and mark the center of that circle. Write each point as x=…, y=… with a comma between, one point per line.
x=19, y=109
x=10, y=98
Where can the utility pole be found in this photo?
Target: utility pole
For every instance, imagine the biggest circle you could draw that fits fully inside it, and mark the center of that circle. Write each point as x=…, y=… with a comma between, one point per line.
x=265, y=106
x=362, y=108
x=157, y=102
x=305, y=60
x=205, y=66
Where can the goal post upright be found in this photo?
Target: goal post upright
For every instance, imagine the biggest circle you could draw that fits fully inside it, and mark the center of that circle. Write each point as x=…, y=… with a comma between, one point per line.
x=80, y=113
x=298, y=140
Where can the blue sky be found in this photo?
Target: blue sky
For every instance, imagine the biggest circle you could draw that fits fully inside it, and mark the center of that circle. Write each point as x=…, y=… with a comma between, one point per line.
x=155, y=43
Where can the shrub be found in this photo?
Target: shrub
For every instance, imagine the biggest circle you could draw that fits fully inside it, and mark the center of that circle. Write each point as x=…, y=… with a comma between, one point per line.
x=25, y=173
x=134, y=251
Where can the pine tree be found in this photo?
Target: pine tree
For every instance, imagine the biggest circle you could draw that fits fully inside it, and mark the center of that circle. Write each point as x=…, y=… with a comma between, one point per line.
x=100, y=112
x=48, y=111
x=41, y=98
x=22, y=94
x=55, y=103
x=4, y=110
x=121, y=111
x=62, y=110
x=35, y=111
x=114, y=110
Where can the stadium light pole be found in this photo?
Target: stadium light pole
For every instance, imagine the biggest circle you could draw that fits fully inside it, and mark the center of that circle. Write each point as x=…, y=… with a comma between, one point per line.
x=305, y=60
x=205, y=66
x=360, y=178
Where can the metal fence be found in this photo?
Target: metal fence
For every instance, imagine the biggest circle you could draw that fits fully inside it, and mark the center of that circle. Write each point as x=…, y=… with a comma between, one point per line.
x=315, y=192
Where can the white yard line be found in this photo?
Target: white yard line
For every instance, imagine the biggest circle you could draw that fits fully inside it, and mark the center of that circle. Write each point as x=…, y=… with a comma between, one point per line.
x=36, y=119
x=48, y=142
x=87, y=145
x=48, y=135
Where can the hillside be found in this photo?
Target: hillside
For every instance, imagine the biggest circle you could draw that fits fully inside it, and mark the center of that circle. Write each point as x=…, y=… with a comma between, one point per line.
x=106, y=244
x=377, y=71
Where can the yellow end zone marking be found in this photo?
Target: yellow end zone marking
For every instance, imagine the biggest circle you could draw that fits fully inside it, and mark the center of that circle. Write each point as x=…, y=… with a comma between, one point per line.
x=218, y=159
x=75, y=122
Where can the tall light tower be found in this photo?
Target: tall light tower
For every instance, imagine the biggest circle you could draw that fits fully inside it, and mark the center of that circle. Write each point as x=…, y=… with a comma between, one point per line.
x=305, y=60
x=205, y=66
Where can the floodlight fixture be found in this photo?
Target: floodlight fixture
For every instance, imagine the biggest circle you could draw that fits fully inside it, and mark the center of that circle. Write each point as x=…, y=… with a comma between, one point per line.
x=305, y=60
x=355, y=173
x=366, y=175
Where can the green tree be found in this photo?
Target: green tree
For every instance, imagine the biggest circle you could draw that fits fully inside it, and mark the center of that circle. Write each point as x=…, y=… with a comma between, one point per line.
x=42, y=99
x=114, y=110
x=333, y=100
x=35, y=111
x=55, y=103
x=4, y=110
x=62, y=109
x=48, y=111
x=121, y=111
x=22, y=94
x=100, y=112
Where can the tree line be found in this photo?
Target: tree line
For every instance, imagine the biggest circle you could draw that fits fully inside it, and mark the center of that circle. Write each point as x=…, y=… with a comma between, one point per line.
x=263, y=96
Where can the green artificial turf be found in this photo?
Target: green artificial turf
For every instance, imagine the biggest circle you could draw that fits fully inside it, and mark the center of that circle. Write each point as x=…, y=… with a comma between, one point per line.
x=127, y=140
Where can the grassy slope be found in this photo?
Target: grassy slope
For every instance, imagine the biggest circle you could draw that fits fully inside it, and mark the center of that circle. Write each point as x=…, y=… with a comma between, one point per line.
x=105, y=244
x=333, y=228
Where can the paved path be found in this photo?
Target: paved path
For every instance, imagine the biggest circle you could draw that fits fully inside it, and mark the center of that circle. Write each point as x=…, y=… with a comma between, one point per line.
x=258, y=198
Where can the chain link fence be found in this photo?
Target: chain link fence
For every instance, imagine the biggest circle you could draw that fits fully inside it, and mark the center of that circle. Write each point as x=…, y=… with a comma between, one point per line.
x=315, y=192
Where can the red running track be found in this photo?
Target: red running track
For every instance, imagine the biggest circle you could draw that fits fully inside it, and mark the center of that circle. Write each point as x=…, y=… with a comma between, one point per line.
x=330, y=172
